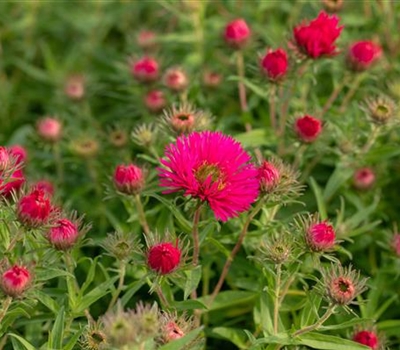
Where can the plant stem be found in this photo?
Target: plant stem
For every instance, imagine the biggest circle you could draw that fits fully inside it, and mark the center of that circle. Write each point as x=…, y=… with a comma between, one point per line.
x=142, y=215
x=353, y=89
x=371, y=139
x=235, y=250
x=272, y=107
x=122, y=270
x=59, y=163
x=277, y=296
x=325, y=316
x=299, y=155
x=162, y=297
x=242, y=88
x=335, y=93
x=195, y=233
x=6, y=304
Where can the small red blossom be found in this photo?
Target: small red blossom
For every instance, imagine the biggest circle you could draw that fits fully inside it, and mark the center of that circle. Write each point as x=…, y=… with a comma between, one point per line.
x=146, y=39
x=155, y=100
x=10, y=184
x=369, y=338
x=268, y=176
x=362, y=54
x=237, y=33
x=317, y=38
x=364, y=178
x=211, y=79
x=45, y=186
x=128, y=179
x=64, y=234
x=320, y=236
x=308, y=128
x=275, y=64
x=49, y=129
x=15, y=281
x=164, y=258
x=19, y=153
x=145, y=70
x=4, y=158
x=176, y=79
x=34, y=209
x=75, y=87
x=396, y=244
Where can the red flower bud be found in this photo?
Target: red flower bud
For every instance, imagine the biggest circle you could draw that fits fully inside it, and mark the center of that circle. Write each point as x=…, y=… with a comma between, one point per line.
x=164, y=258
x=364, y=178
x=49, y=129
x=317, y=38
x=4, y=158
x=145, y=70
x=363, y=54
x=34, y=209
x=212, y=79
x=275, y=64
x=320, y=237
x=19, y=153
x=368, y=338
x=176, y=79
x=237, y=33
x=396, y=244
x=146, y=39
x=45, y=186
x=75, y=87
x=12, y=183
x=63, y=234
x=308, y=128
x=269, y=176
x=15, y=280
x=128, y=179
x=155, y=100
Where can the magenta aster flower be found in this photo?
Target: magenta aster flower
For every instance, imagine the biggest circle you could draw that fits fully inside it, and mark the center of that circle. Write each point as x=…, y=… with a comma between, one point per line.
x=213, y=167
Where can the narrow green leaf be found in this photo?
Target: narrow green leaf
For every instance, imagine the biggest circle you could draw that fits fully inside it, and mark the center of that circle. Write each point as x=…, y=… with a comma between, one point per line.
x=328, y=342
x=231, y=298
x=21, y=341
x=56, y=335
x=193, y=278
x=73, y=340
x=339, y=176
x=47, y=301
x=219, y=246
x=310, y=312
x=90, y=275
x=188, y=305
x=320, y=200
x=236, y=336
x=131, y=290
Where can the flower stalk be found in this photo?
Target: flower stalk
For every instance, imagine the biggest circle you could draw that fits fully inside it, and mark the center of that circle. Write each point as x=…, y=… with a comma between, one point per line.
x=330, y=310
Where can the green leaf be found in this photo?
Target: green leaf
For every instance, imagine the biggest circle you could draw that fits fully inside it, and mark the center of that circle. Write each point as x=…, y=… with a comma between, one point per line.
x=56, y=335
x=72, y=341
x=262, y=313
x=253, y=87
x=193, y=278
x=90, y=275
x=340, y=175
x=182, y=342
x=231, y=298
x=131, y=290
x=328, y=342
x=47, y=301
x=310, y=312
x=320, y=200
x=253, y=138
x=342, y=325
x=236, y=336
x=188, y=305
x=219, y=246
x=21, y=341
x=45, y=274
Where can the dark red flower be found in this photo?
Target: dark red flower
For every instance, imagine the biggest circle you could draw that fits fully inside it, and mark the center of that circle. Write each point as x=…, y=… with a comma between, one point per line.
x=63, y=234
x=4, y=158
x=275, y=64
x=320, y=236
x=368, y=338
x=317, y=38
x=308, y=128
x=11, y=183
x=146, y=69
x=34, y=209
x=237, y=33
x=128, y=179
x=363, y=54
x=15, y=280
x=164, y=258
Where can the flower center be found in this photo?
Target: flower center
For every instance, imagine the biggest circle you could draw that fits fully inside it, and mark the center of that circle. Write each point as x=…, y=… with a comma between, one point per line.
x=382, y=110
x=183, y=117
x=213, y=171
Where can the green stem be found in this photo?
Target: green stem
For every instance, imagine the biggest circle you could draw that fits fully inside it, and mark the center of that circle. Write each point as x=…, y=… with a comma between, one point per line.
x=162, y=297
x=371, y=139
x=277, y=296
x=235, y=250
x=58, y=162
x=299, y=155
x=324, y=317
x=272, y=107
x=241, y=86
x=142, y=215
x=122, y=271
x=335, y=93
x=195, y=234
x=6, y=304
x=349, y=95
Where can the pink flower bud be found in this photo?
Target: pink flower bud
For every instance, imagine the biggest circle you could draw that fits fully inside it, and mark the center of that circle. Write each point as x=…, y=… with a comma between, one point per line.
x=364, y=178
x=155, y=100
x=172, y=332
x=4, y=158
x=45, y=186
x=64, y=234
x=237, y=33
x=269, y=176
x=19, y=153
x=211, y=79
x=128, y=179
x=34, y=209
x=146, y=39
x=308, y=128
x=320, y=236
x=15, y=281
x=317, y=38
x=75, y=87
x=49, y=129
x=368, y=338
x=145, y=70
x=176, y=79
x=12, y=183
x=363, y=54
x=164, y=258
x=275, y=64
x=396, y=244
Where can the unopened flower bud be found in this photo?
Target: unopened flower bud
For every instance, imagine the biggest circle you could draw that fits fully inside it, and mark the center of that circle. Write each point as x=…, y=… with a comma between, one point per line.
x=396, y=244
x=164, y=258
x=212, y=79
x=146, y=39
x=176, y=79
x=332, y=6
x=145, y=70
x=49, y=129
x=364, y=178
x=237, y=33
x=4, y=158
x=129, y=179
x=320, y=236
x=11, y=184
x=144, y=135
x=269, y=176
x=19, y=153
x=362, y=55
x=33, y=209
x=75, y=87
x=15, y=281
x=63, y=234
x=174, y=327
x=308, y=128
x=155, y=101
x=275, y=64
x=120, y=245
x=86, y=147
x=380, y=109
x=368, y=338
x=45, y=186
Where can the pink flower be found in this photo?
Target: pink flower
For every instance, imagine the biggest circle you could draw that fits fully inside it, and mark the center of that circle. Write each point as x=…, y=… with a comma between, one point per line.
x=164, y=258
x=213, y=167
x=64, y=234
x=176, y=79
x=4, y=158
x=363, y=54
x=34, y=209
x=146, y=39
x=172, y=332
x=49, y=129
x=320, y=236
x=11, y=183
x=364, y=178
x=237, y=33
x=396, y=244
x=75, y=87
x=317, y=38
x=268, y=176
x=19, y=153
x=155, y=100
x=146, y=69
x=308, y=128
x=368, y=338
x=128, y=179
x=15, y=280
x=275, y=64
x=45, y=186
x=211, y=79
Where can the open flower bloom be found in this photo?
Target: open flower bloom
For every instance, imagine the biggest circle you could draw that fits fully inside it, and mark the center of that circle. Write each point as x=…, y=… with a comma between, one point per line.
x=213, y=167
